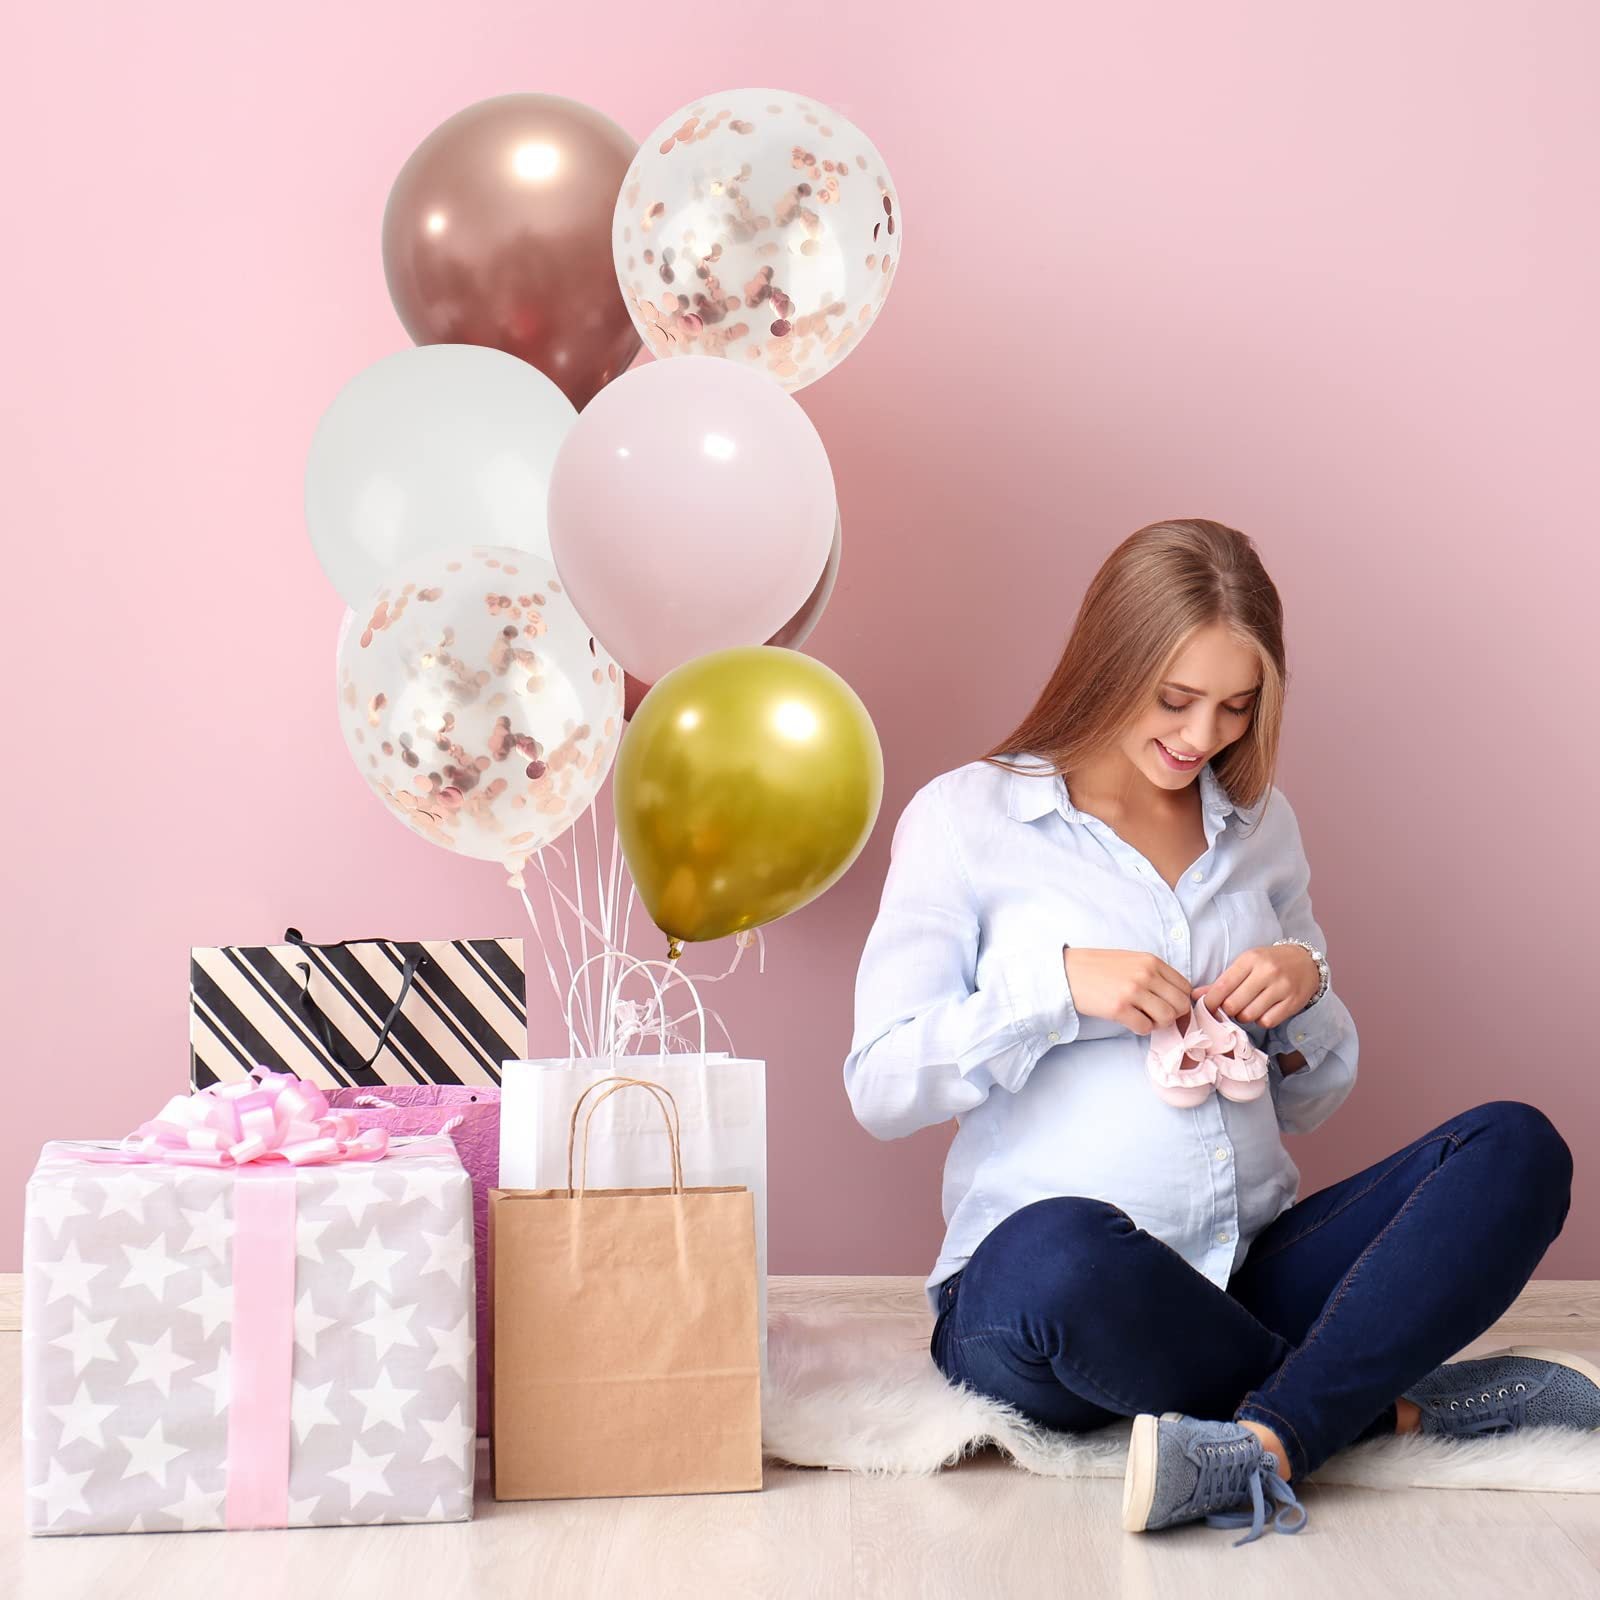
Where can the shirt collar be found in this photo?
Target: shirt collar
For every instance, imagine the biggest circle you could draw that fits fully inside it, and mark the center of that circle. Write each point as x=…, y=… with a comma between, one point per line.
x=1037, y=790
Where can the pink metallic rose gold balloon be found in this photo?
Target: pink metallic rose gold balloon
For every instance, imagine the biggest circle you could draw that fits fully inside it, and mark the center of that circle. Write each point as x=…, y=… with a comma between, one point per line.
x=498, y=232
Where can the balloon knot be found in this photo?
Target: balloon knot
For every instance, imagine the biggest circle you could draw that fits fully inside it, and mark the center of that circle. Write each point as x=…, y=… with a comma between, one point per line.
x=674, y=948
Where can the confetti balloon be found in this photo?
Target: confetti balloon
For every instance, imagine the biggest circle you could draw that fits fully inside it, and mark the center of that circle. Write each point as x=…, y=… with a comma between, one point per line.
x=760, y=226
x=476, y=703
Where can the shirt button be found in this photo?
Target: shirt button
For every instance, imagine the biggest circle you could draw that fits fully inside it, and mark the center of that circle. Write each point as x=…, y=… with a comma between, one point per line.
x=1298, y=1037
x=1053, y=1036
x=1224, y=1236
x=1197, y=877
x=1177, y=930
x=1220, y=1153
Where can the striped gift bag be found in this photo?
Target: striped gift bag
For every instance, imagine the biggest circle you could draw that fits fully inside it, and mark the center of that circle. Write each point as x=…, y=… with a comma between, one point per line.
x=363, y=1011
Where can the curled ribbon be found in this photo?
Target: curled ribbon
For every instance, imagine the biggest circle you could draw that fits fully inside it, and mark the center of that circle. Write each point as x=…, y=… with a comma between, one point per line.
x=275, y=1116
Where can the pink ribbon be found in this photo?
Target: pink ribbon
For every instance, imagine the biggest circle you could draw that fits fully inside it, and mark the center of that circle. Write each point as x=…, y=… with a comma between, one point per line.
x=273, y=1117
x=261, y=1351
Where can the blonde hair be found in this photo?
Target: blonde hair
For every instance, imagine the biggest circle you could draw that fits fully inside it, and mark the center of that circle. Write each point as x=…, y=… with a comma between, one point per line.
x=1154, y=591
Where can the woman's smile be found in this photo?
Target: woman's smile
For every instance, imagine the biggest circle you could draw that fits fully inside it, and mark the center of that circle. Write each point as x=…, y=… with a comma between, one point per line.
x=1186, y=764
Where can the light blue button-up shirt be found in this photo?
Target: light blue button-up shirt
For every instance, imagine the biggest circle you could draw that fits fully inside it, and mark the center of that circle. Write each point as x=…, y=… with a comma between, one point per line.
x=963, y=1009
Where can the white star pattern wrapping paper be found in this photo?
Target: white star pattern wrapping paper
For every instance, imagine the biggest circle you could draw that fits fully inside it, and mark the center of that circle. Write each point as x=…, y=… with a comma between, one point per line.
x=128, y=1325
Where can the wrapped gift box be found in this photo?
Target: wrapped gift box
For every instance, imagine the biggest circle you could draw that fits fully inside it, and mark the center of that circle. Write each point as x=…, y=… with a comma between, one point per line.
x=260, y=1346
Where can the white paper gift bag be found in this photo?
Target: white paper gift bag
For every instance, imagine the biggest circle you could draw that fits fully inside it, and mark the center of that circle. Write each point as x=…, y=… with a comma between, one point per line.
x=722, y=1105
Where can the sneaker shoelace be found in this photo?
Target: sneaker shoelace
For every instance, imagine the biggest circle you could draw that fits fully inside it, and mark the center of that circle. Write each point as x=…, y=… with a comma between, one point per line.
x=1230, y=1473
x=1492, y=1411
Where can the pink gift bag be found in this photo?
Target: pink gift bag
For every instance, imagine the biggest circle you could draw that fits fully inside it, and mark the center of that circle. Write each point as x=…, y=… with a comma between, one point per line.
x=470, y=1114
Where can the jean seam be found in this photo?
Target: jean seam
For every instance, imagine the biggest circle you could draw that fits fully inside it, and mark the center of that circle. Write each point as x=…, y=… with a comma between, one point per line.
x=1344, y=1288
x=1422, y=1144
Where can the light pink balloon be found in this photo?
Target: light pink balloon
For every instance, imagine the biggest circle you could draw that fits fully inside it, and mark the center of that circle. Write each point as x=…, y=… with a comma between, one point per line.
x=790, y=636
x=692, y=509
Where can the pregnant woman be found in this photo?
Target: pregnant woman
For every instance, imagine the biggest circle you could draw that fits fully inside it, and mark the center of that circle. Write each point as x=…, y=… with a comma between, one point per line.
x=1096, y=951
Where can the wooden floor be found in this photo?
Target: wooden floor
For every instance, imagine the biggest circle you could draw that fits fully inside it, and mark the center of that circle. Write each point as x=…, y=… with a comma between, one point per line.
x=982, y=1530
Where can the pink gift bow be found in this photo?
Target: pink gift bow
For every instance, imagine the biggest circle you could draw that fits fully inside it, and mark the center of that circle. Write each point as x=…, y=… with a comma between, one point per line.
x=274, y=1117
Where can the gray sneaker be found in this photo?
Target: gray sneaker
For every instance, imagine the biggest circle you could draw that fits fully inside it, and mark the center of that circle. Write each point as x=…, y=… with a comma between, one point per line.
x=1180, y=1470
x=1522, y=1387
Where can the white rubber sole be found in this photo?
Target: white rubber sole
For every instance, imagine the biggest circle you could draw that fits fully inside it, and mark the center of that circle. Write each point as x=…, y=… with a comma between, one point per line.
x=1139, y=1482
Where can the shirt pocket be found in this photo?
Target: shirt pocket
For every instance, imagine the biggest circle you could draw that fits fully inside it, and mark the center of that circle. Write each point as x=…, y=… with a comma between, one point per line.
x=1250, y=920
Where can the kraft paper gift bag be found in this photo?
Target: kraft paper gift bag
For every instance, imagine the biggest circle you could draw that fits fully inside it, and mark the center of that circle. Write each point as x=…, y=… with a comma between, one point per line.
x=626, y=1358
x=722, y=1106
x=359, y=1012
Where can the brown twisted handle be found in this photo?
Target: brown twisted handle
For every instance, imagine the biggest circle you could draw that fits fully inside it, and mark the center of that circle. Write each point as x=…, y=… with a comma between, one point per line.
x=615, y=1085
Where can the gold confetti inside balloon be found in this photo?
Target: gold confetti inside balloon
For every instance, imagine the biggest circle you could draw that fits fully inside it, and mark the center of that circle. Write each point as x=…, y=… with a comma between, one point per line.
x=746, y=784
x=759, y=226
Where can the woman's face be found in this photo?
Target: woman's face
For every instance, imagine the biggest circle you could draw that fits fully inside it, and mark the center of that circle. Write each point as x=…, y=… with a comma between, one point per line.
x=1202, y=705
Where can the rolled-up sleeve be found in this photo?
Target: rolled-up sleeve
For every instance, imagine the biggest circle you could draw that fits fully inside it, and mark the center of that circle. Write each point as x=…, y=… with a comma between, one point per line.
x=930, y=1043
x=1325, y=1033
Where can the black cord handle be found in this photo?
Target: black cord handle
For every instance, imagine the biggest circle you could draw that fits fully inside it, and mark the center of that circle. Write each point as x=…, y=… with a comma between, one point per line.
x=319, y=1017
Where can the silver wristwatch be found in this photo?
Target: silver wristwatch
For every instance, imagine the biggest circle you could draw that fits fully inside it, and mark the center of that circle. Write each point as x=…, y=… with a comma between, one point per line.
x=1322, y=969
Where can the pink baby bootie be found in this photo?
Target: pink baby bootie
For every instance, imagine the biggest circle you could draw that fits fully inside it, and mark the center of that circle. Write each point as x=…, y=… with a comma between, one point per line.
x=1180, y=1063
x=1241, y=1069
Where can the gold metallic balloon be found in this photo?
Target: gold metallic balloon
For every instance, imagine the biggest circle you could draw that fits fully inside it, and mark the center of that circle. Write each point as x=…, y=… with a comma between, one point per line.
x=745, y=785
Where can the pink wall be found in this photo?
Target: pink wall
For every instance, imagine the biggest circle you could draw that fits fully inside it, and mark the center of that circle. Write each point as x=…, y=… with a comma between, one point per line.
x=1325, y=271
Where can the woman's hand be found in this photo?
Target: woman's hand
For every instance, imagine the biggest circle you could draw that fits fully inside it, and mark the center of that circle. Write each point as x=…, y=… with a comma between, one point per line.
x=1131, y=987
x=1267, y=985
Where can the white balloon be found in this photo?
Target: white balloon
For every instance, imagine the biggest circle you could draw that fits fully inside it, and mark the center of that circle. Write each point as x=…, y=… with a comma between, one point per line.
x=760, y=226
x=442, y=446
x=477, y=704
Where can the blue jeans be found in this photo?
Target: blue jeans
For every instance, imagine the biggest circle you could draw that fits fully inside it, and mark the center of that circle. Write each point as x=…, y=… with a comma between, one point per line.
x=1075, y=1316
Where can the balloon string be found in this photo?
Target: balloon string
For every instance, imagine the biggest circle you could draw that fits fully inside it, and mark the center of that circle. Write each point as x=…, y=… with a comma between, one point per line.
x=544, y=948
x=742, y=942
x=604, y=912
x=583, y=932
x=613, y=889
x=561, y=935
x=577, y=912
x=673, y=1026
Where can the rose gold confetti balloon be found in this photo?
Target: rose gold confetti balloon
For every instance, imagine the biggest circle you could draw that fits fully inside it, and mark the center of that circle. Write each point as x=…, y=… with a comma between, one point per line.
x=497, y=232
x=476, y=703
x=760, y=226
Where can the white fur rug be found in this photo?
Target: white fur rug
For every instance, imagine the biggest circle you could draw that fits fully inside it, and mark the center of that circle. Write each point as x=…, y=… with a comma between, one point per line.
x=861, y=1393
